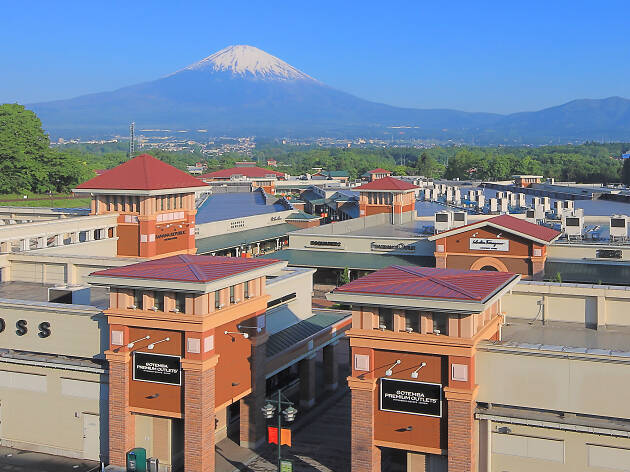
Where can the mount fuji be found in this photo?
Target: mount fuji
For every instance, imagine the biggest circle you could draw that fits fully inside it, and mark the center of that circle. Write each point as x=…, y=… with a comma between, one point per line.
x=242, y=90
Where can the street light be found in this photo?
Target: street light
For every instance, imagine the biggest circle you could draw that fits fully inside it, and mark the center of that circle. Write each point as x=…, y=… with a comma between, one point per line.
x=289, y=414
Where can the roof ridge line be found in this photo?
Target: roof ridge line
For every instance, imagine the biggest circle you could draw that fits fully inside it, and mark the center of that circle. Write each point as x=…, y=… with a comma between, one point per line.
x=439, y=282
x=184, y=258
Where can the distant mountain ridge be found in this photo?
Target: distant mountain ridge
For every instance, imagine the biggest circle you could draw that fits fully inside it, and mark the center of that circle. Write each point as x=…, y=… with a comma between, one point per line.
x=242, y=90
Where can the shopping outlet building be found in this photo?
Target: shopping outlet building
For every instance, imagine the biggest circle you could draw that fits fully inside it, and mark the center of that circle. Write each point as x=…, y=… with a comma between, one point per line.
x=452, y=372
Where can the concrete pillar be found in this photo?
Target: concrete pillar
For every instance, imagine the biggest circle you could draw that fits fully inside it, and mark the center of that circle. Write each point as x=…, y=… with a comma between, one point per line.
x=25, y=244
x=89, y=236
x=307, y=382
x=5, y=246
x=58, y=240
x=41, y=242
x=485, y=446
x=331, y=367
x=71, y=273
x=601, y=312
x=252, y=422
x=364, y=455
x=121, y=421
x=74, y=237
x=199, y=417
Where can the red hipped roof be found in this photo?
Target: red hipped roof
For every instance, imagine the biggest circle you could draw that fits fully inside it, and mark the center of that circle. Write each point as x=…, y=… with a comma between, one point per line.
x=509, y=223
x=387, y=183
x=379, y=171
x=429, y=282
x=251, y=172
x=187, y=268
x=143, y=172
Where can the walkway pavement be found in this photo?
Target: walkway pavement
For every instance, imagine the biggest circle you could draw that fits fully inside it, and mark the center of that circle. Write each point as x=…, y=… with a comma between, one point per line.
x=15, y=460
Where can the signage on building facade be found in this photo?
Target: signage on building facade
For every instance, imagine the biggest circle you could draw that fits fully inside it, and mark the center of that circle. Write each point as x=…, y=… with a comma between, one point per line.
x=489, y=244
x=326, y=243
x=415, y=398
x=22, y=328
x=392, y=247
x=608, y=254
x=276, y=218
x=157, y=368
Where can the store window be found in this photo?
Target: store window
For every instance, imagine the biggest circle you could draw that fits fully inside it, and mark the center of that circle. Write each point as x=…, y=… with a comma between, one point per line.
x=137, y=299
x=440, y=323
x=180, y=302
x=385, y=319
x=412, y=321
x=158, y=301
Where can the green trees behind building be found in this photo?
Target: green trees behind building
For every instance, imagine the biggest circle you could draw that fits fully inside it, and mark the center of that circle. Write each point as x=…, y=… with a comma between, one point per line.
x=27, y=163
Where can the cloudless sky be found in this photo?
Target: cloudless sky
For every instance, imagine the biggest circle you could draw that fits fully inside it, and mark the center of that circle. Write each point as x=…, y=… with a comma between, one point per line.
x=499, y=56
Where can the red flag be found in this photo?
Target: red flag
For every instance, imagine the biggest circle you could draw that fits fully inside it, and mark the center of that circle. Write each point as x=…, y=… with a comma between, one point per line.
x=272, y=433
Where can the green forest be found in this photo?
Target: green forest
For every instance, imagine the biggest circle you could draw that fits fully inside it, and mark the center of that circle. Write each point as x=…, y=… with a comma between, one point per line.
x=28, y=164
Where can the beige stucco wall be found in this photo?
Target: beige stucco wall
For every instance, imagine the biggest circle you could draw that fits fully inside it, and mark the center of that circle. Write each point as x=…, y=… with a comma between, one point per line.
x=299, y=281
x=215, y=228
x=593, y=305
x=556, y=382
x=556, y=451
x=42, y=408
x=78, y=331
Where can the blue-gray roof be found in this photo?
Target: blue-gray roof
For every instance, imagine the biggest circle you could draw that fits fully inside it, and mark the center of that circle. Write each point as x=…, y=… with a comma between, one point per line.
x=226, y=206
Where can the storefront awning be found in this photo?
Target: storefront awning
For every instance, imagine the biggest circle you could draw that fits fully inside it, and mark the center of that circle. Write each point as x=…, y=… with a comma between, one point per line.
x=287, y=338
x=240, y=238
x=351, y=260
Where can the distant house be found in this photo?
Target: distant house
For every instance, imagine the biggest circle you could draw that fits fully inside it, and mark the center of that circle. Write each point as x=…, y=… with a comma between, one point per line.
x=526, y=180
x=258, y=176
x=375, y=174
x=338, y=175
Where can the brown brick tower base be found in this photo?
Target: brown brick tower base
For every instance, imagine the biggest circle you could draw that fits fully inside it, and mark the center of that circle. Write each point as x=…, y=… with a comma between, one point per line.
x=365, y=456
x=199, y=415
x=121, y=421
x=461, y=455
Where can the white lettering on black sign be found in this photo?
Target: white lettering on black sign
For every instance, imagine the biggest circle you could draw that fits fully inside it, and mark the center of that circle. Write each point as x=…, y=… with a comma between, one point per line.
x=416, y=398
x=157, y=368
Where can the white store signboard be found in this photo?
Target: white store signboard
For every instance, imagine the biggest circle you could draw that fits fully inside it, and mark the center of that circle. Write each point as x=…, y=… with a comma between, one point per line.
x=489, y=244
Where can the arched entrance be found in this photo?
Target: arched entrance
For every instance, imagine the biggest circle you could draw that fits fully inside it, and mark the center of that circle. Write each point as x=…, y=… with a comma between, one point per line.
x=489, y=263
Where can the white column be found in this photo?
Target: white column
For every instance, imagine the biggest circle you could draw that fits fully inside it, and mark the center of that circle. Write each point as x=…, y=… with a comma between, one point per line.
x=74, y=237
x=25, y=244
x=58, y=240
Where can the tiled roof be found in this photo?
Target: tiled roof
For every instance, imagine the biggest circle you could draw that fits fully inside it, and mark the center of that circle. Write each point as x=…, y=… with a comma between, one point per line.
x=429, y=282
x=509, y=223
x=143, y=172
x=301, y=215
x=187, y=268
x=525, y=227
x=379, y=171
x=387, y=183
x=250, y=172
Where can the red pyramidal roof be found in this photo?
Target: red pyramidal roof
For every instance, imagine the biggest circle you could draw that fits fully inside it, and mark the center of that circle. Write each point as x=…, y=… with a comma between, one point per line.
x=429, y=282
x=387, y=183
x=250, y=172
x=143, y=172
x=379, y=171
x=187, y=268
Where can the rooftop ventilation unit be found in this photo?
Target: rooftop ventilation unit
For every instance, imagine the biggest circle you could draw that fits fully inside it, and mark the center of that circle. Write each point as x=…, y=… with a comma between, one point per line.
x=573, y=226
x=443, y=221
x=546, y=202
x=494, y=205
x=70, y=294
x=520, y=200
x=530, y=215
x=460, y=218
x=618, y=227
x=481, y=201
x=503, y=205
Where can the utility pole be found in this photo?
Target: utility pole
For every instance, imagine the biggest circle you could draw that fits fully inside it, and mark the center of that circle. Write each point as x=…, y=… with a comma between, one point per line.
x=132, y=147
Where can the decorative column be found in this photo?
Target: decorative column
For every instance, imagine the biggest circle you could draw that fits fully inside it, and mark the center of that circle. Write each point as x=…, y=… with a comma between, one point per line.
x=331, y=367
x=121, y=421
x=461, y=406
x=306, y=368
x=252, y=421
x=364, y=455
x=199, y=385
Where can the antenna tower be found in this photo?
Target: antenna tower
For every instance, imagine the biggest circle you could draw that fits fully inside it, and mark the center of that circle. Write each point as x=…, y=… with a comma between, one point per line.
x=132, y=147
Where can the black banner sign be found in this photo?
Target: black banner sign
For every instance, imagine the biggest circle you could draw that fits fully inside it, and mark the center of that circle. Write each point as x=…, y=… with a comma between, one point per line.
x=157, y=368
x=608, y=254
x=416, y=398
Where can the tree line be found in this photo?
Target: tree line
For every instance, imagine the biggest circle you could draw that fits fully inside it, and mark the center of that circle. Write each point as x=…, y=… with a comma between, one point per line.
x=28, y=163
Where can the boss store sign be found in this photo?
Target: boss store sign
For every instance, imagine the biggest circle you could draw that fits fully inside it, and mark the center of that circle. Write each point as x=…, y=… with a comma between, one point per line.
x=157, y=368
x=22, y=327
x=415, y=398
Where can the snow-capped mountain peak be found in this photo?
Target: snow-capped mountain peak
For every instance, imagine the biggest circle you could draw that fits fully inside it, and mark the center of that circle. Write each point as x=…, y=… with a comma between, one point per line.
x=248, y=61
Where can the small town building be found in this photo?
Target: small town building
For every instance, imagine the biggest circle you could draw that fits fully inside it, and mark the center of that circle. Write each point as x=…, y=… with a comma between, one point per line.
x=526, y=180
x=376, y=174
x=255, y=176
x=387, y=195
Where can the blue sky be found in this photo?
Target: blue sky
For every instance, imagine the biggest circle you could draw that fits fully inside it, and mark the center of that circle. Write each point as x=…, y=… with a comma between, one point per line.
x=477, y=56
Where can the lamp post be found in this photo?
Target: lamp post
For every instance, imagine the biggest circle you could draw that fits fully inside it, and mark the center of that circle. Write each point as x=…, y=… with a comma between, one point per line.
x=289, y=415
